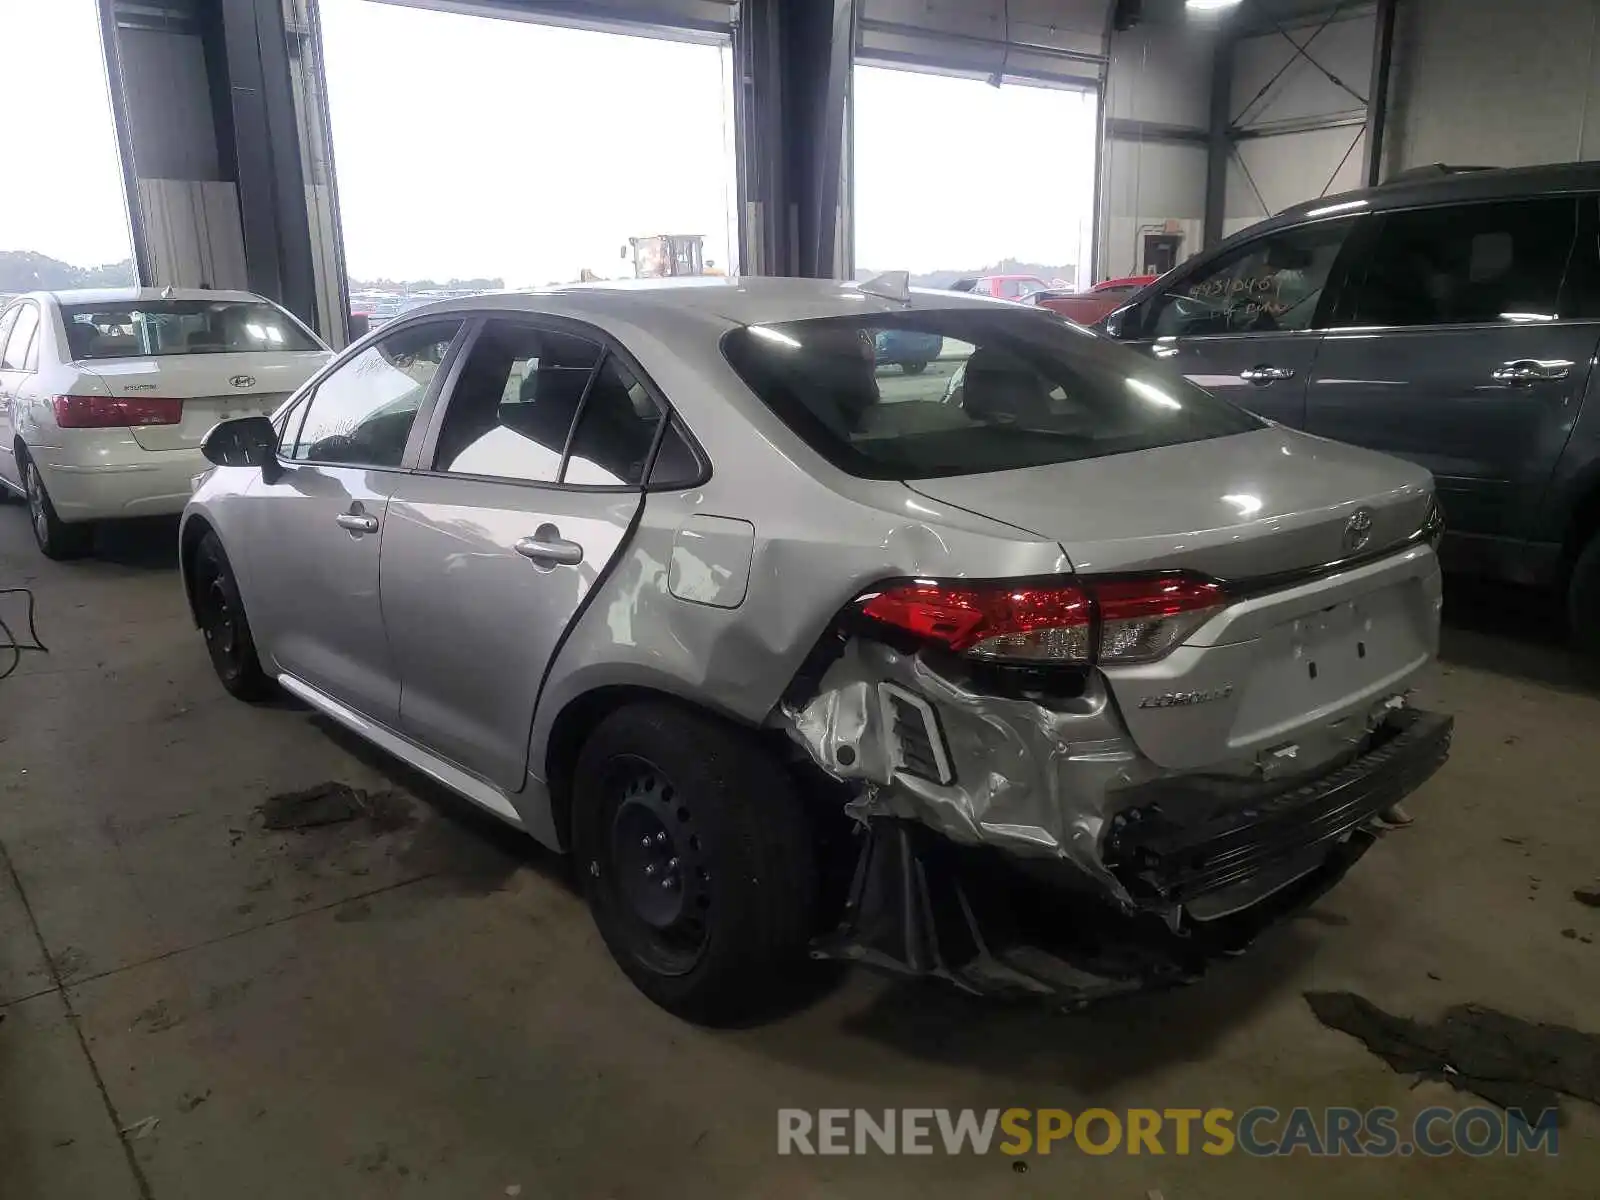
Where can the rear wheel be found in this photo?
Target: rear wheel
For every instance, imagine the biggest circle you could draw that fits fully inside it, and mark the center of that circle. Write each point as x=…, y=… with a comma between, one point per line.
x=914, y=368
x=698, y=861
x=222, y=620
x=56, y=538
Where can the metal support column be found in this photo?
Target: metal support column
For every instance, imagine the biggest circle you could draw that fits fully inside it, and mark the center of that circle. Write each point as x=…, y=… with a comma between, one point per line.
x=1378, y=93
x=266, y=138
x=1219, y=141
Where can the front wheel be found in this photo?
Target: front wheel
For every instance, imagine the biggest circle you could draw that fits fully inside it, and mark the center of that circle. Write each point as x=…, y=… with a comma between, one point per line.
x=698, y=860
x=914, y=368
x=56, y=539
x=220, y=611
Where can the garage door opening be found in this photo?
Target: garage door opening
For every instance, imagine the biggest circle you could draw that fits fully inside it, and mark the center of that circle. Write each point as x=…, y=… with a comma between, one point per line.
x=63, y=210
x=475, y=153
x=955, y=179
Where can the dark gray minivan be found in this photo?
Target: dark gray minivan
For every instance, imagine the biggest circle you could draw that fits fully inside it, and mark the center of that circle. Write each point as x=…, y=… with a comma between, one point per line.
x=1451, y=317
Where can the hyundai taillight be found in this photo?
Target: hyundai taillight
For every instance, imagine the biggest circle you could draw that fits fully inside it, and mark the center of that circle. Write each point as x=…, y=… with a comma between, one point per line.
x=1122, y=619
x=113, y=412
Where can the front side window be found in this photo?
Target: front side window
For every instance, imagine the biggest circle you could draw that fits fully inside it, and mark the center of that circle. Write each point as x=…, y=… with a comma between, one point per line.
x=362, y=412
x=1010, y=389
x=1498, y=263
x=513, y=405
x=144, y=328
x=1271, y=285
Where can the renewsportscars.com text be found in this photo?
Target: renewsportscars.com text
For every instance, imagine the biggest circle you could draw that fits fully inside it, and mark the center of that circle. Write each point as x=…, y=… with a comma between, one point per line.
x=1259, y=1132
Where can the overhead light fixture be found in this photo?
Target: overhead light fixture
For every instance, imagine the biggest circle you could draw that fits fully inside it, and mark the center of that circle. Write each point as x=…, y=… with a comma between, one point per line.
x=1212, y=5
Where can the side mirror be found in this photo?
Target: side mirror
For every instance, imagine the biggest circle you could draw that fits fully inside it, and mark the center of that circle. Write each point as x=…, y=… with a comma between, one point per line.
x=1123, y=323
x=243, y=442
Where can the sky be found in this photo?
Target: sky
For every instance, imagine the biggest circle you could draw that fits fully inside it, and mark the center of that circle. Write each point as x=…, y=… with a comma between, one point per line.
x=62, y=195
x=469, y=147
x=952, y=173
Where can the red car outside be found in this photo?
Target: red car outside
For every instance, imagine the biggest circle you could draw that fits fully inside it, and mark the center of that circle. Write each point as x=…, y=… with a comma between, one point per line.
x=1088, y=307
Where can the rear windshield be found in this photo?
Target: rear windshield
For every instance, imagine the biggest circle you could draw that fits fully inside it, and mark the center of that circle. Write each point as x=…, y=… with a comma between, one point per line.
x=1008, y=389
x=139, y=328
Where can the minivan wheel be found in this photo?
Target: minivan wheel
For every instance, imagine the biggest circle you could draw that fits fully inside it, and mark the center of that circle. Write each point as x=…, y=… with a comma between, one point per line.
x=697, y=859
x=220, y=612
x=56, y=539
x=1583, y=600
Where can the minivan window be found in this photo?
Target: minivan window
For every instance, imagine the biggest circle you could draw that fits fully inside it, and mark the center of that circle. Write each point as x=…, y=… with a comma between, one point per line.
x=1499, y=262
x=141, y=328
x=1009, y=389
x=361, y=414
x=1271, y=285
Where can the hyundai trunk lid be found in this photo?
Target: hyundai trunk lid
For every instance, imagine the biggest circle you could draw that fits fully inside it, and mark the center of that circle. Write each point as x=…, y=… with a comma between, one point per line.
x=212, y=387
x=1250, y=505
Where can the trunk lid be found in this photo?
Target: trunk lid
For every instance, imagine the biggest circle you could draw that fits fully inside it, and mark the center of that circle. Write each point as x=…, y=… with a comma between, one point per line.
x=213, y=388
x=1251, y=505
x=1286, y=676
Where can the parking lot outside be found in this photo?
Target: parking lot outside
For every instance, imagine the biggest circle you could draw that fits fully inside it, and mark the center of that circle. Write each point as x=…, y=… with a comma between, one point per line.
x=415, y=1002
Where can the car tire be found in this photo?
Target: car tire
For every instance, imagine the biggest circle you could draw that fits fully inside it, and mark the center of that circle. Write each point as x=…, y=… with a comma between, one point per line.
x=698, y=861
x=914, y=368
x=56, y=538
x=1583, y=600
x=219, y=610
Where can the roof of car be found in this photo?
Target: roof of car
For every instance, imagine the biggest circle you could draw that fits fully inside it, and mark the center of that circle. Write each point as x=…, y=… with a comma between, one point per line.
x=751, y=300
x=1438, y=184
x=126, y=295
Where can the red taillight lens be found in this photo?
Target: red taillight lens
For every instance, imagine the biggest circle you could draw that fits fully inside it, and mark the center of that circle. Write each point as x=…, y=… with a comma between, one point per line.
x=112, y=412
x=1123, y=620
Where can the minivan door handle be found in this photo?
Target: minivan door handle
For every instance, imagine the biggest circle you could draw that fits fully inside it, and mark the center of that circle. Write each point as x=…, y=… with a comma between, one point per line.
x=1532, y=370
x=357, y=522
x=547, y=548
x=1266, y=373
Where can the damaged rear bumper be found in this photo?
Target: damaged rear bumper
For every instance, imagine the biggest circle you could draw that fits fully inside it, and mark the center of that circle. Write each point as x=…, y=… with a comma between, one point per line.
x=1014, y=845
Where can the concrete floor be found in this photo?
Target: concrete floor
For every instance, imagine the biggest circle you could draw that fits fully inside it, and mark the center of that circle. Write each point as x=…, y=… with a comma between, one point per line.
x=427, y=1011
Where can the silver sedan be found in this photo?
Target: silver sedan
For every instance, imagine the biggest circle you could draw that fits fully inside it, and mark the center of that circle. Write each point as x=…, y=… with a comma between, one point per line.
x=1056, y=682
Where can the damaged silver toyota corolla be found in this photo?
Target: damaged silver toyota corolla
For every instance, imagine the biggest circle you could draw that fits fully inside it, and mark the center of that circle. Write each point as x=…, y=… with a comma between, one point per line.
x=1037, y=669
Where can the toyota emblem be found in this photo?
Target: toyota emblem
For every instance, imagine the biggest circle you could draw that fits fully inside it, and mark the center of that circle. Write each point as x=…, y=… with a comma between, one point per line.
x=1358, y=531
x=243, y=381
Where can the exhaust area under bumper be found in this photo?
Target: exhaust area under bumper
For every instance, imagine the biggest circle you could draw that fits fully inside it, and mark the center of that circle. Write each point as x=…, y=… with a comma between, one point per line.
x=1202, y=876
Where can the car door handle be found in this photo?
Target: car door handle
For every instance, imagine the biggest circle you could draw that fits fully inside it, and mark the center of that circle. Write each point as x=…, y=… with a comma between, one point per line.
x=1532, y=370
x=1266, y=373
x=357, y=522
x=550, y=551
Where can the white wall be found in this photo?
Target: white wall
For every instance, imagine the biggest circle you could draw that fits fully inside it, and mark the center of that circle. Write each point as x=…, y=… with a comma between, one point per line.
x=1495, y=83
x=1160, y=73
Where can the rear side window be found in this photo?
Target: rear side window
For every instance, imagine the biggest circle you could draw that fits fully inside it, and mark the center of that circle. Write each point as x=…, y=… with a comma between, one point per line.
x=1492, y=263
x=14, y=355
x=362, y=412
x=1271, y=285
x=139, y=329
x=8, y=322
x=612, y=443
x=512, y=407
x=1004, y=389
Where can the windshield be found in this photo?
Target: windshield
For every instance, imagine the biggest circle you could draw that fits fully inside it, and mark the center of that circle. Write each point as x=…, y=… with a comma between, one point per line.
x=1010, y=389
x=135, y=329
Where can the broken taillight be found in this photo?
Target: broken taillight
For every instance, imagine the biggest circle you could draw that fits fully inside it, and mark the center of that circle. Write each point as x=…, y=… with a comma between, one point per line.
x=1120, y=619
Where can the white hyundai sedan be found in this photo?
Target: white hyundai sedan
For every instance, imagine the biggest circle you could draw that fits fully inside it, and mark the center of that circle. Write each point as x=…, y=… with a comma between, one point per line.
x=105, y=397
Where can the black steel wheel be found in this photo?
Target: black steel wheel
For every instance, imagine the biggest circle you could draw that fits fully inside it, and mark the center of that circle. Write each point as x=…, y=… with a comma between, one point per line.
x=697, y=858
x=659, y=873
x=221, y=616
x=56, y=538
